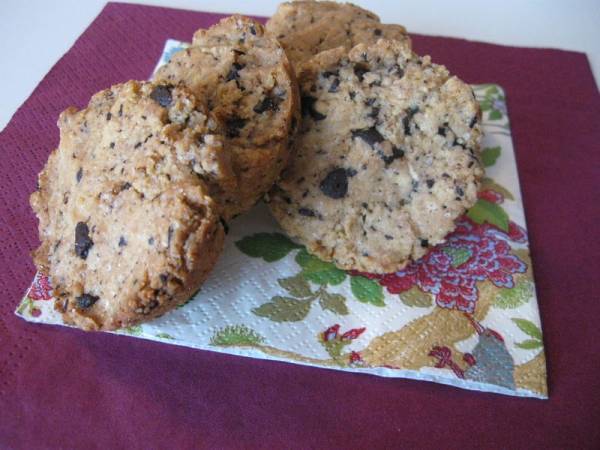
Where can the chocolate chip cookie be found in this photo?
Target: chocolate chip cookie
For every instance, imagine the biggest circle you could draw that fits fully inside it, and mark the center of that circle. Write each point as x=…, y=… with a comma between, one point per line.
x=306, y=28
x=247, y=79
x=127, y=227
x=386, y=159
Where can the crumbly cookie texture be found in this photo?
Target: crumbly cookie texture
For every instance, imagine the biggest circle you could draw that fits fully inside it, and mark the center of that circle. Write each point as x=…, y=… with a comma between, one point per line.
x=250, y=86
x=306, y=28
x=386, y=159
x=128, y=230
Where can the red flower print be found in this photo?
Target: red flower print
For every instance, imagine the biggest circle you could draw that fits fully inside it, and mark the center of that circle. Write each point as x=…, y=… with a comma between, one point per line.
x=331, y=333
x=355, y=358
x=352, y=334
x=40, y=288
x=491, y=196
x=451, y=270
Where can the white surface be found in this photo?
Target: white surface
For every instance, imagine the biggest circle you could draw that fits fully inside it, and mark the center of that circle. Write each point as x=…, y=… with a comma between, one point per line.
x=34, y=34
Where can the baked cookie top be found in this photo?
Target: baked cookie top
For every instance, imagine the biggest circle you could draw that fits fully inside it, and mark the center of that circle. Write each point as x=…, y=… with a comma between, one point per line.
x=249, y=85
x=306, y=28
x=386, y=159
x=128, y=230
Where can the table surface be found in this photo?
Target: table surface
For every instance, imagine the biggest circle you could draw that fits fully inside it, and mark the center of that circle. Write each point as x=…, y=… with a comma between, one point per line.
x=63, y=388
x=55, y=25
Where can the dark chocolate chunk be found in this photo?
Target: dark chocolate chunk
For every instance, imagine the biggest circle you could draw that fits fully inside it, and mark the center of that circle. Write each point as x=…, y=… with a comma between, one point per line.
x=308, y=108
x=388, y=237
x=456, y=142
x=377, y=32
x=360, y=70
x=430, y=183
x=364, y=205
x=334, y=85
x=161, y=94
x=83, y=243
x=122, y=241
x=234, y=124
x=370, y=135
x=112, y=145
x=370, y=101
x=335, y=184
x=121, y=110
x=108, y=116
x=351, y=172
x=374, y=112
x=169, y=235
x=163, y=277
x=267, y=104
x=151, y=241
x=473, y=122
x=137, y=145
x=352, y=94
x=253, y=29
x=459, y=191
x=424, y=243
x=306, y=212
x=79, y=175
x=406, y=120
x=442, y=131
x=234, y=72
x=86, y=301
x=126, y=185
x=397, y=153
x=329, y=73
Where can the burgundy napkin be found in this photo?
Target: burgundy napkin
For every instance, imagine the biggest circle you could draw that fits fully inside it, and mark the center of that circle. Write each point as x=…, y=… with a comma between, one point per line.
x=64, y=388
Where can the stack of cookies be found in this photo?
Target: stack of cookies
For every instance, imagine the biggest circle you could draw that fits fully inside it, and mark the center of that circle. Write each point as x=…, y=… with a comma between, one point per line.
x=365, y=152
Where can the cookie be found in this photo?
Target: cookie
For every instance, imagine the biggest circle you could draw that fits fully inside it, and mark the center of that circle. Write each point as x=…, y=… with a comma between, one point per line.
x=127, y=228
x=247, y=79
x=386, y=159
x=305, y=28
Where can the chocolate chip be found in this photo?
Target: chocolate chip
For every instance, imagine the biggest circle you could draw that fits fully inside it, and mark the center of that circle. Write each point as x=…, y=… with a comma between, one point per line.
x=360, y=70
x=169, y=235
x=352, y=94
x=308, y=108
x=121, y=110
x=138, y=145
x=374, y=112
x=233, y=125
x=122, y=241
x=234, y=72
x=335, y=184
x=111, y=145
x=473, y=122
x=161, y=94
x=86, y=301
x=364, y=205
x=459, y=191
x=334, y=85
x=306, y=212
x=424, y=243
x=459, y=144
x=109, y=116
x=388, y=237
x=83, y=243
x=370, y=135
x=163, y=277
x=351, y=172
x=442, y=131
x=253, y=29
x=377, y=32
x=330, y=73
x=267, y=104
x=125, y=186
x=406, y=120
x=430, y=183
x=79, y=174
x=397, y=153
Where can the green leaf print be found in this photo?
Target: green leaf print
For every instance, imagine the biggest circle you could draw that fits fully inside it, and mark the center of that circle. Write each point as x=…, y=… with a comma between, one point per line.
x=529, y=344
x=317, y=271
x=367, y=291
x=135, y=330
x=495, y=115
x=333, y=302
x=284, y=309
x=514, y=297
x=489, y=155
x=297, y=286
x=484, y=211
x=268, y=246
x=164, y=336
x=236, y=335
x=491, y=91
x=528, y=328
x=488, y=183
x=415, y=297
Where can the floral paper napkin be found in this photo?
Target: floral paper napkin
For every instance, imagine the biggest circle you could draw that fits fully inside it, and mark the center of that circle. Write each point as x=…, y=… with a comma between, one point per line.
x=466, y=314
